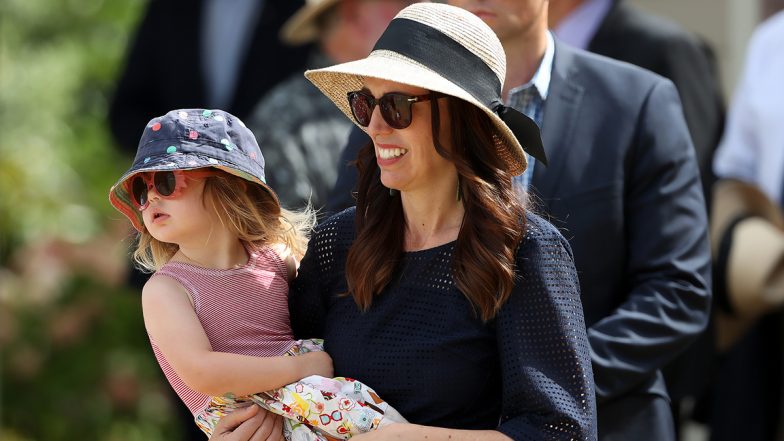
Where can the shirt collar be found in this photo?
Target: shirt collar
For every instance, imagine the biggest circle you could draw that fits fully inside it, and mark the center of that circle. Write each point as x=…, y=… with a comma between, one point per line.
x=578, y=28
x=541, y=79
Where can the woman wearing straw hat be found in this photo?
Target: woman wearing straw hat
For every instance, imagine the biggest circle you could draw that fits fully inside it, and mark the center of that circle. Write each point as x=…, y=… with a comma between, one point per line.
x=439, y=288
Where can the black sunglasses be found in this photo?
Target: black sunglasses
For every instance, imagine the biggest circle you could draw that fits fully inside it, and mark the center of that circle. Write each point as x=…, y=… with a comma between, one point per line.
x=395, y=107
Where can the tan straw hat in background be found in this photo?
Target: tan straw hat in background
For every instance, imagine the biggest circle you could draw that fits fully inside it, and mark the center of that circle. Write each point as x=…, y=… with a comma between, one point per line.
x=444, y=49
x=301, y=28
x=747, y=235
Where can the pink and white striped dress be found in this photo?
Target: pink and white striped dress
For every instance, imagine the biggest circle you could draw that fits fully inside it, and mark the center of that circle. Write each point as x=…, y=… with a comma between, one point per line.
x=245, y=311
x=242, y=310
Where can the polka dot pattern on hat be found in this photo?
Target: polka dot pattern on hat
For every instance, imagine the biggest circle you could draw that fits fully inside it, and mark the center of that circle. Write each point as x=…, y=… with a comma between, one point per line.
x=186, y=139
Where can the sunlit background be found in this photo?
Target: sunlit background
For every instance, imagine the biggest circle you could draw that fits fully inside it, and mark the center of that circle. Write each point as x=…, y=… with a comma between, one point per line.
x=75, y=360
x=76, y=363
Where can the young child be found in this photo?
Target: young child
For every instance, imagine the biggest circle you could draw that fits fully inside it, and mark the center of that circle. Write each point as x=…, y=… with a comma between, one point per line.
x=223, y=252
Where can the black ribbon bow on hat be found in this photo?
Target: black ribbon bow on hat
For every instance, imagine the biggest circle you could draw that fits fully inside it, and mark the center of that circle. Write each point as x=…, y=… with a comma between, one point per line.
x=440, y=53
x=525, y=130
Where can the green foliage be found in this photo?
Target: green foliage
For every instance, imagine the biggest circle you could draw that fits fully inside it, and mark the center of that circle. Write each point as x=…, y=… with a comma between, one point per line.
x=81, y=368
x=75, y=360
x=58, y=62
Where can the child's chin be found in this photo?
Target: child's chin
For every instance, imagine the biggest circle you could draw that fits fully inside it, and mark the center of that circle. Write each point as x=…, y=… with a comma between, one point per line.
x=161, y=235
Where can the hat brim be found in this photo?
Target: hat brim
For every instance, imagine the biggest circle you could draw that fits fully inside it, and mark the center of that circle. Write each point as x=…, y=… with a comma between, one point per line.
x=755, y=268
x=732, y=199
x=121, y=199
x=336, y=81
x=301, y=27
x=747, y=235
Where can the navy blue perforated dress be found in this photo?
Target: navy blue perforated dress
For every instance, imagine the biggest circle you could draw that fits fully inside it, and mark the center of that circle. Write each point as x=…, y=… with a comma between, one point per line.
x=527, y=372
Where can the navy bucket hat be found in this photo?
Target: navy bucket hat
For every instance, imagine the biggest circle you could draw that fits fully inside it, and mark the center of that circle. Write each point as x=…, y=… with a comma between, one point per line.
x=188, y=139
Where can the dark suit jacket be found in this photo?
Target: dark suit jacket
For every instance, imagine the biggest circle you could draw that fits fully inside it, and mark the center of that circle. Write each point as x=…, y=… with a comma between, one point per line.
x=623, y=187
x=661, y=46
x=654, y=43
x=162, y=68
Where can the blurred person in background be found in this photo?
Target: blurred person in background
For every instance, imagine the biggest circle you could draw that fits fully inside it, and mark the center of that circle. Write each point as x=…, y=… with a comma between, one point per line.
x=747, y=226
x=301, y=131
x=221, y=59
x=203, y=53
x=618, y=30
x=623, y=182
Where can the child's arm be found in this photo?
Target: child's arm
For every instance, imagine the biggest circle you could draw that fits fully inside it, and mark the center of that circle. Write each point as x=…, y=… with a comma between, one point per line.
x=173, y=325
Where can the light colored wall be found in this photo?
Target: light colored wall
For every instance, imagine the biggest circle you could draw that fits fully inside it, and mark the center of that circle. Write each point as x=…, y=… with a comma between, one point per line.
x=725, y=24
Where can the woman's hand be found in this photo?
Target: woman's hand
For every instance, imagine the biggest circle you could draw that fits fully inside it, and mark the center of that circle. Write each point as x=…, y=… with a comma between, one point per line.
x=316, y=363
x=251, y=423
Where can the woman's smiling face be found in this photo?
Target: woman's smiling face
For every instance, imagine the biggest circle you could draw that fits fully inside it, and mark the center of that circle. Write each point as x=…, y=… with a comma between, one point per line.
x=407, y=157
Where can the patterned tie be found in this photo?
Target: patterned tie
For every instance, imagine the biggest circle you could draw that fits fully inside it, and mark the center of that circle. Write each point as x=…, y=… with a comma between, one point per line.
x=530, y=103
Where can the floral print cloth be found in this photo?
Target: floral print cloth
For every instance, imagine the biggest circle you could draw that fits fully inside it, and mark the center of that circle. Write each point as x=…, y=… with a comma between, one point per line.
x=315, y=408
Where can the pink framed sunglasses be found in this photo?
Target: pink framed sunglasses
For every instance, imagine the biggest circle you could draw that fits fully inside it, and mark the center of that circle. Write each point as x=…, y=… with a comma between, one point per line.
x=168, y=184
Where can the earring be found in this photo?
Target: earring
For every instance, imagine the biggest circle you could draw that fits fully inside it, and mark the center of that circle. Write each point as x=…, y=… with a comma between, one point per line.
x=459, y=190
x=392, y=192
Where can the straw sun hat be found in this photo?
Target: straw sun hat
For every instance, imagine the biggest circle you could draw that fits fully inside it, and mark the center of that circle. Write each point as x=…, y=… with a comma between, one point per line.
x=444, y=49
x=747, y=235
x=302, y=27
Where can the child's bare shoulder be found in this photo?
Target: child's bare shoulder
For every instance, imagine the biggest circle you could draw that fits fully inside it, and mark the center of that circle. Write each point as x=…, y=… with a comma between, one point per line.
x=160, y=283
x=161, y=288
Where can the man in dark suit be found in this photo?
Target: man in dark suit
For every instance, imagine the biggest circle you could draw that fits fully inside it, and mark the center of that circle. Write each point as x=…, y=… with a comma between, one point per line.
x=618, y=30
x=190, y=54
x=623, y=186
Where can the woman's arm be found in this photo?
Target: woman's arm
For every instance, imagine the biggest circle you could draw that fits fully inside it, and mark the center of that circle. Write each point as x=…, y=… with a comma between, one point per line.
x=320, y=271
x=427, y=433
x=243, y=425
x=173, y=326
x=547, y=382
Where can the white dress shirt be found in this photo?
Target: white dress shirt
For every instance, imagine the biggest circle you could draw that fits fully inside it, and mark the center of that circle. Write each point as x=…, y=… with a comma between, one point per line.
x=752, y=148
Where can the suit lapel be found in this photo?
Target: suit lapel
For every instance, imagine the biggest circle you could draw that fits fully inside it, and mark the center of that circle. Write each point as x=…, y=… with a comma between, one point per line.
x=558, y=123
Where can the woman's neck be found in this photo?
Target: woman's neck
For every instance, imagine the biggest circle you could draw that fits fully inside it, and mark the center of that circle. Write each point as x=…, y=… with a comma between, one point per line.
x=215, y=253
x=432, y=218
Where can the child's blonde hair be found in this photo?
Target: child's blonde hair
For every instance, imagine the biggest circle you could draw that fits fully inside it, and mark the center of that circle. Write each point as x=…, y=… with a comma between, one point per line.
x=246, y=209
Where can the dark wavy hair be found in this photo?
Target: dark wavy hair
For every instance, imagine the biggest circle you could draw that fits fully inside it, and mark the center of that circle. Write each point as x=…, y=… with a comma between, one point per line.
x=483, y=263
